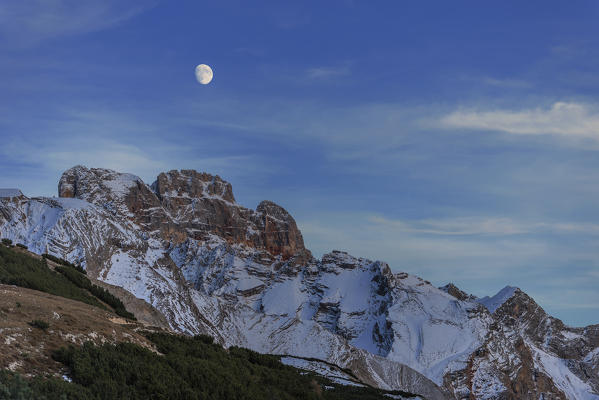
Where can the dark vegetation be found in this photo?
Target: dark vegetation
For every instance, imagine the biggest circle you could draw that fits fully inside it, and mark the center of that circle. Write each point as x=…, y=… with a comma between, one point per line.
x=15, y=387
x=83, y=282
x=26, y=271
x=64, y=262
x=38, y=323
x=23, y=270
x=7, y=242
x=21, y=245
x=187, y=368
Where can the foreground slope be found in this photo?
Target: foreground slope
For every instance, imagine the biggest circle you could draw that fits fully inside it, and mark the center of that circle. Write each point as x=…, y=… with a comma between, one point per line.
x=244, y=277
x=69, y=345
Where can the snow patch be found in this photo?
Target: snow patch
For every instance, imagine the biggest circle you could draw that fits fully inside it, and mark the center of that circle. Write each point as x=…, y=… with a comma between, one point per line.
x=564, y=379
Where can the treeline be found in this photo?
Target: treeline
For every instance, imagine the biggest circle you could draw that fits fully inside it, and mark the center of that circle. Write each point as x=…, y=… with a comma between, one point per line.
x=76, y=277
x=64, y=262
x=23, y=270
x=188, y=368
x=8, y=243
x=26, y=271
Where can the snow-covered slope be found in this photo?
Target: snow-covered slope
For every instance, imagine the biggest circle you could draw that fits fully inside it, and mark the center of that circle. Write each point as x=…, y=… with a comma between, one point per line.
x=243, y=276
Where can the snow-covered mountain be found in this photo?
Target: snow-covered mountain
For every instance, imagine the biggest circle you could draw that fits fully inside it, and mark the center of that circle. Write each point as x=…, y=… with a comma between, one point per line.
x=210, y=265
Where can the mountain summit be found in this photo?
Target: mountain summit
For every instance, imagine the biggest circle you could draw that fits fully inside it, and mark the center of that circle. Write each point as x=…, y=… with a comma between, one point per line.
x=182, y=204
x=209, y=265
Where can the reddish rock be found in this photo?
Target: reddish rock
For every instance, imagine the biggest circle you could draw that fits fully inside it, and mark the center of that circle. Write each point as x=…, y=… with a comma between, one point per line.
x=187, y=204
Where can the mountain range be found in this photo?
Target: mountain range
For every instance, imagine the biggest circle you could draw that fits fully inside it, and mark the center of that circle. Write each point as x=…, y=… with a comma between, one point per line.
x=181, y=253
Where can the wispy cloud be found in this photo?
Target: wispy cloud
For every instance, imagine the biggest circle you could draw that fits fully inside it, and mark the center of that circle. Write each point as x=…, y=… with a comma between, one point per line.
x=466, y=226
x=439, y=256
x=353, y=132
x=27, y=22
x=508, y=83
x=505, y=82
x=121, y=141
x=327, y=72
x=562, y=118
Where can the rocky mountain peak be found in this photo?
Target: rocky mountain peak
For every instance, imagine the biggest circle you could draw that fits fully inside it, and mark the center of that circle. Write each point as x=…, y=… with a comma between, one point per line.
x=280, y=234
x=86, y=183
x=189, y=183
x=117, y=192
x=186, y=204
x=456, y=292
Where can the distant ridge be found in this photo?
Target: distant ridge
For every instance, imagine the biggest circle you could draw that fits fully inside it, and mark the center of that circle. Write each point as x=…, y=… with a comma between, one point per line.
x=9, y=193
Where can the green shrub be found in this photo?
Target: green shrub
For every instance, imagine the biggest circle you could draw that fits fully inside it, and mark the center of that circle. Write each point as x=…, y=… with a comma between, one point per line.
x=7, y=242
x=194, y=368
x=13, y=386
x=21, y=245
x=38, y=323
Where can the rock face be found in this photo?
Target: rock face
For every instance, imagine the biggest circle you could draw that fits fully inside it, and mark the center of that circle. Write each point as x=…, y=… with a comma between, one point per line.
x=530, y=355
x=210, y=265
x=454, y=291
x=182, y=204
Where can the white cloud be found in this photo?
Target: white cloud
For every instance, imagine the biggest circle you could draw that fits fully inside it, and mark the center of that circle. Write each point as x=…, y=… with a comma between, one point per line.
x=506, y=83
x=484, y=226
x=353, y=132
x=26, y=22
x=562, y=118
x=327, y=72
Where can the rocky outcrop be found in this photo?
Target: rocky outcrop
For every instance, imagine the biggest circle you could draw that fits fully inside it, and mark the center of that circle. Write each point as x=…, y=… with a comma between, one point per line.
x=530, y=355
x=279, y=233
x=190, y=184
x=186, y=204
x=456, y=292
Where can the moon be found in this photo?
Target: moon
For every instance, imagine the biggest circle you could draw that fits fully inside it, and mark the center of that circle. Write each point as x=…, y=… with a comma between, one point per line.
x=204, y=74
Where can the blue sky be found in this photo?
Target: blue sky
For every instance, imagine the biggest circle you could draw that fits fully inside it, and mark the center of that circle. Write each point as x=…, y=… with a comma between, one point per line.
x=454, y=140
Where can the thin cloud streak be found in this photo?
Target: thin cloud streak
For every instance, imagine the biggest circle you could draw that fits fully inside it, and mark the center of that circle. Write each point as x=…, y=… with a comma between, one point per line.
x=506, y=83
x=327, y=72
x=484, y=226
x=562, y=118
x=29, y=22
